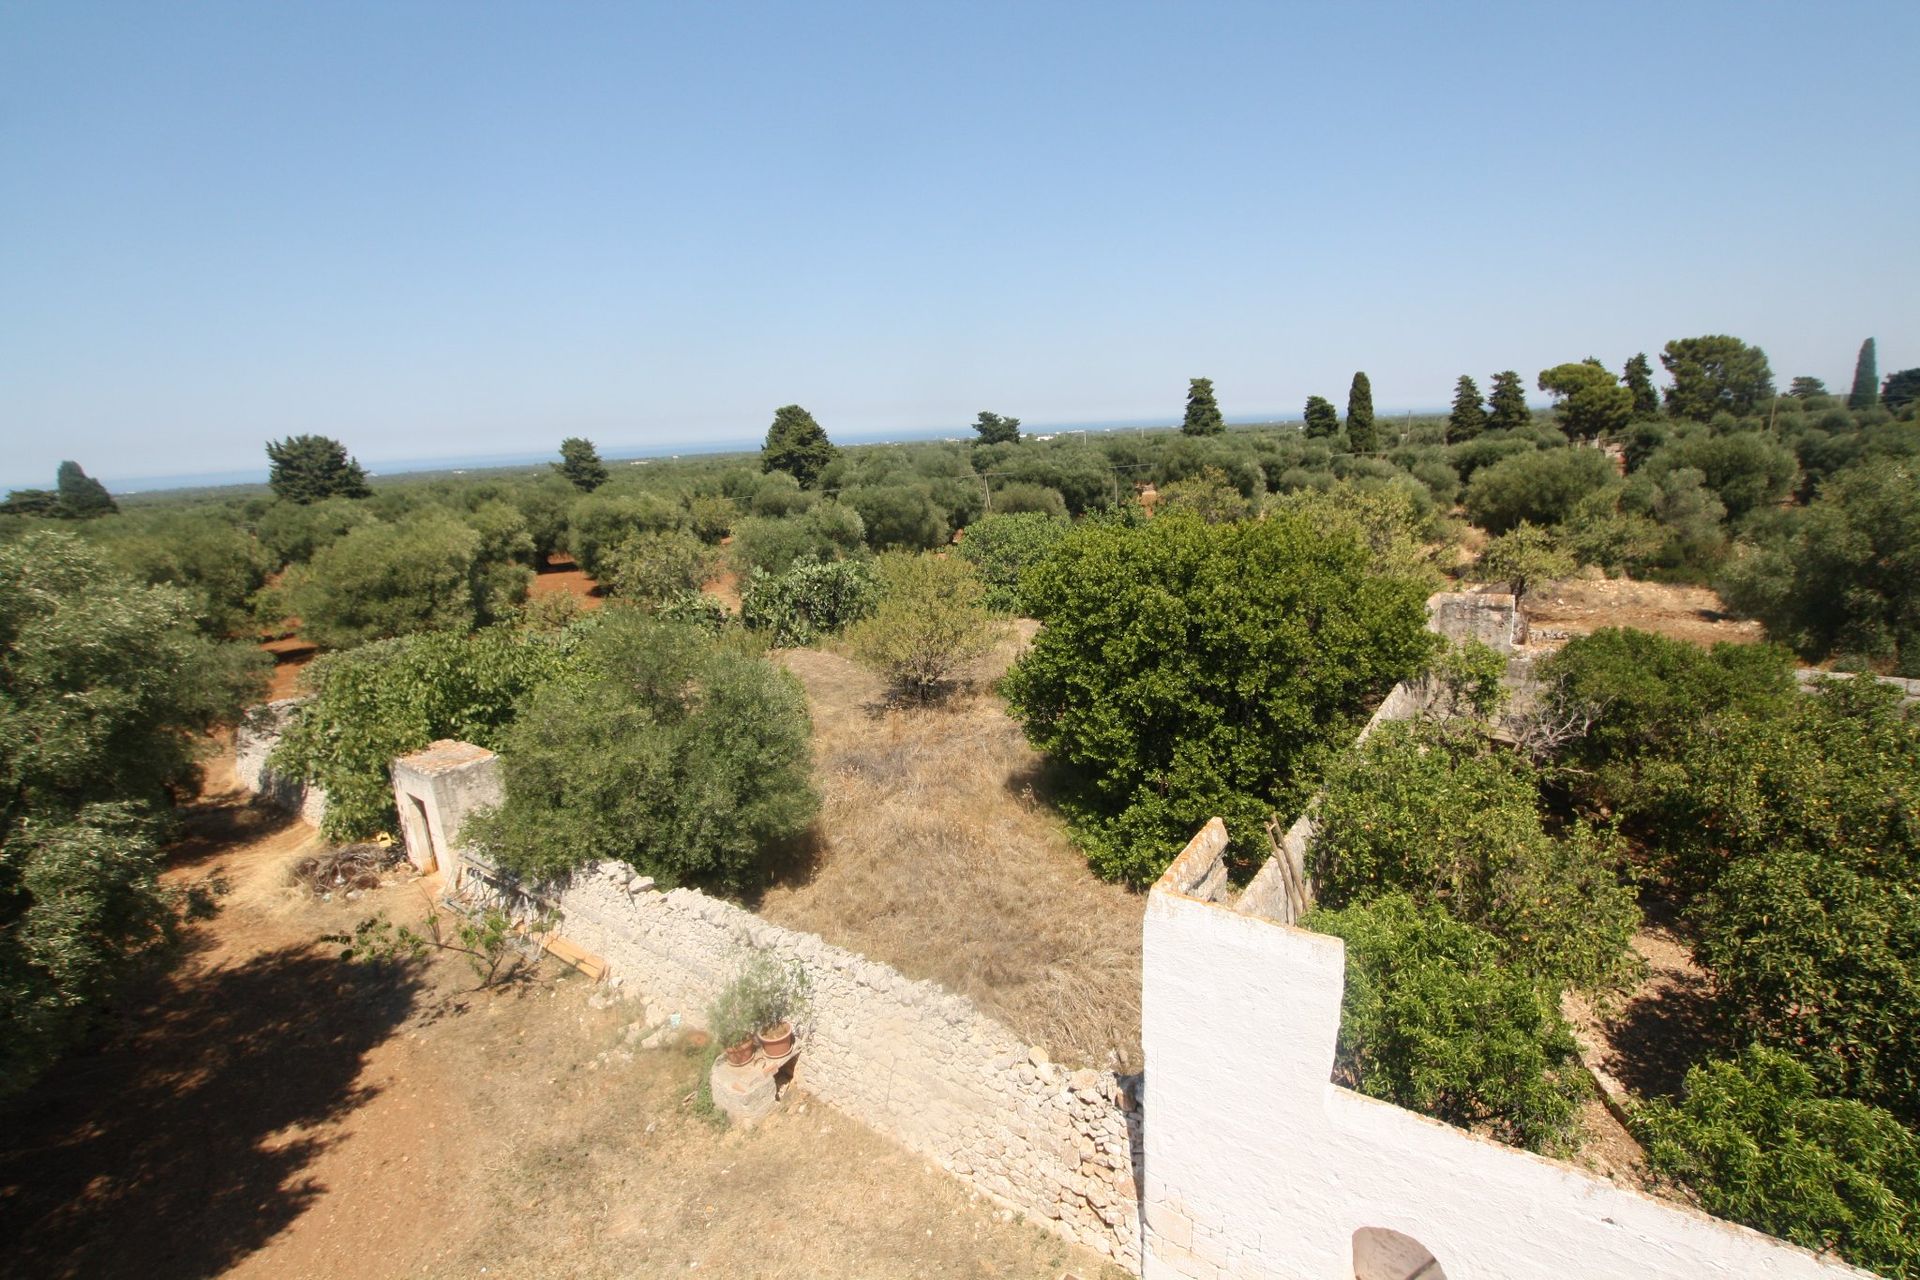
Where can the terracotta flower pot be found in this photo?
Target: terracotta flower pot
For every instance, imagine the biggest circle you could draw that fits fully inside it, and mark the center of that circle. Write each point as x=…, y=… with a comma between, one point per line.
x=740, y=1054
x=777, y=1041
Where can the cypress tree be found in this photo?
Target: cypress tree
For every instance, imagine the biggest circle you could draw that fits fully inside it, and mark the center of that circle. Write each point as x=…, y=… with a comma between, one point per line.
x=1362, y=437
x=1203, y=412
x=1468, y=418
x=1322, y=418
x=1866, y=378
x=81, y=496
x=1639, y=380
x=1508, y=402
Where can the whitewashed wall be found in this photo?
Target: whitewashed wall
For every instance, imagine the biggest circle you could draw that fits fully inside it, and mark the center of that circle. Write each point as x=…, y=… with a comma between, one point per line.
x=1256, y=1165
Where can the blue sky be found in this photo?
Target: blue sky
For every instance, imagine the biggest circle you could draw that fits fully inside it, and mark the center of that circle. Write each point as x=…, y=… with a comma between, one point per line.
x=449, y=229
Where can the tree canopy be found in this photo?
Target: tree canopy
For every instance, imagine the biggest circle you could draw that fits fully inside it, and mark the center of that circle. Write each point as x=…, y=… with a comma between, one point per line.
x=1469, y=416
x=1507, y=402
x=1866, y=378
x=1322, y=419
x=312, y=468
x=580, y=464
x=1203, y=411
x=1714, y=374
x=1638, y=377
x=1362, y=435
x=994, y=429
x=81, y=496
x=1589, y=400
x=797, y=445
x=1190, y=669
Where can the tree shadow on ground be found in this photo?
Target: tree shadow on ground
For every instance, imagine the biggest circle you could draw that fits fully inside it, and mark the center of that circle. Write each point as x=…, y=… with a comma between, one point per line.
x=1672, y=1026
x=163, y=1153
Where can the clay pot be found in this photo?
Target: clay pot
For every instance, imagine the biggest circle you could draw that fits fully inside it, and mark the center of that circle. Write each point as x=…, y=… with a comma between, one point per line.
x=777, y=1041
x=741, y=1054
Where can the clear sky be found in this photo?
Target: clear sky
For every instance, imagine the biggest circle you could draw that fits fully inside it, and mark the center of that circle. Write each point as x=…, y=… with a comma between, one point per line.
x=465, y=228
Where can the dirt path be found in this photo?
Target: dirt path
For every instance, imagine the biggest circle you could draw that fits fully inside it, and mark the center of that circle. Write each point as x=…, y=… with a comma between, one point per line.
x=269, y=1111
x=1576, y=608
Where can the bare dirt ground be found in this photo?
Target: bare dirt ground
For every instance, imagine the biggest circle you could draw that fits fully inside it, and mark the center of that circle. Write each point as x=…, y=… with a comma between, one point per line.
x=560, y=576
x=269, y=1111
x=933, y=854
x=1578, y=607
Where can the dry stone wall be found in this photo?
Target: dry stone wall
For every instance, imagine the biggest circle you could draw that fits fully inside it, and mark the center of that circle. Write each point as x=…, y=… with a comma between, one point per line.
x=253, y=742
x=904, y=1057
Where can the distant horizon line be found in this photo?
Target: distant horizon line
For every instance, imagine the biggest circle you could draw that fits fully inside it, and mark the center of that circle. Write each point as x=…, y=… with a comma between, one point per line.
x=382, y=467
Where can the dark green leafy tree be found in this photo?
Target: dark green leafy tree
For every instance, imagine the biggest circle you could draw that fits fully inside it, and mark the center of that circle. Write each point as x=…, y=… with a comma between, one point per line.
x=424, y=573
x=81, y=496
x=1866, y=378
x=680, y=755
x=1203, y=411
x=378, y=701
x=1322, y=419
x=599, y=522
x=796, y=445
x=653, y=568
x=1002, y=547
x=1436, y=813
x=40, y=503
x=994, y=429
x=1540, y=486
x=580, y=464
x=1362, y=435
x=1744, y=469
x=1434, y=1020
x=1469, y=416
x=826, y=531
x=1155, y=678
x=1523, y=557
x=311, y=468
x=1639, y=380
x=1588, y=400
x=1842, y=575
x=107, y=690
x=1805, y=388
x=1754, y=1139
x=208, y=557
x=1507, y=403
x=1900, y=390
x=1715, y=374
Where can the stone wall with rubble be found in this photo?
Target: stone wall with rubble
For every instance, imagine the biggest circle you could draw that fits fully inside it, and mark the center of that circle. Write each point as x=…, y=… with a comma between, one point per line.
x=907, y=1058
x=253, y=742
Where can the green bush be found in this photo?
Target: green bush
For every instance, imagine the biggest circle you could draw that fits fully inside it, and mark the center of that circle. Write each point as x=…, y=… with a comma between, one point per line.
x=661, y=747
x=1843, y=575
x=1524, y=557
x=386, y=699
x=1745, y=470
x=808, y=601
x=1539, y=487
x=1022, y=498
x=382, y=580
x=1433, y=1021
x=600, y=522
x=899, y=516
x=1002, y=548
x=1757, y=1143
x=291, y=532
x=1444, y=818
x=930, y=620
x=1189, y=670
x=652, y=568
x=213, y=561
x=829, y=531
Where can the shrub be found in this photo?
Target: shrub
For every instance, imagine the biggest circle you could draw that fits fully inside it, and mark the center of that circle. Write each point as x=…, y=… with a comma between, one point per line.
x=1189, y=670
x=1021, y=498
x=829, y=531
x=1447, y=820
x=1755, y=1141
x=1745, y=469
x=600, y=522
x=652, y=568
x=1539, y=487
x=1002, y=548
x=383, y=700
x=662, y=748
x=1432, y=1021
x=386, y=580
x=808, y=601
x=902, y=516
x=930, y=621
x=1209, y=495
x=710, y=517
x=1842, y=576
x=761, y=994
x=215, y=563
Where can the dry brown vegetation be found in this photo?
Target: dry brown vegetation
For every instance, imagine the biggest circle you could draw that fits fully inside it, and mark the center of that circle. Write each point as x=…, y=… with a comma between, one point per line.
x=933, y=854
x=1579, y=606
x=267, y=1110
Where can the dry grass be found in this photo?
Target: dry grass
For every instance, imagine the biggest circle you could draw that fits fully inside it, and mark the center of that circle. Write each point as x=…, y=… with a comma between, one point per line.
x=932, y=854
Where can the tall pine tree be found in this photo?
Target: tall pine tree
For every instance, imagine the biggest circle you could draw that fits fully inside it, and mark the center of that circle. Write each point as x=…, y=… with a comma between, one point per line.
x=313, y=468
x=797, y=445
x=1866, y=378
x=1203, y=412
x=1507, y=403
x=1639, y=380
x=1362, y=435
x=580, y=463
x=1469, y=416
